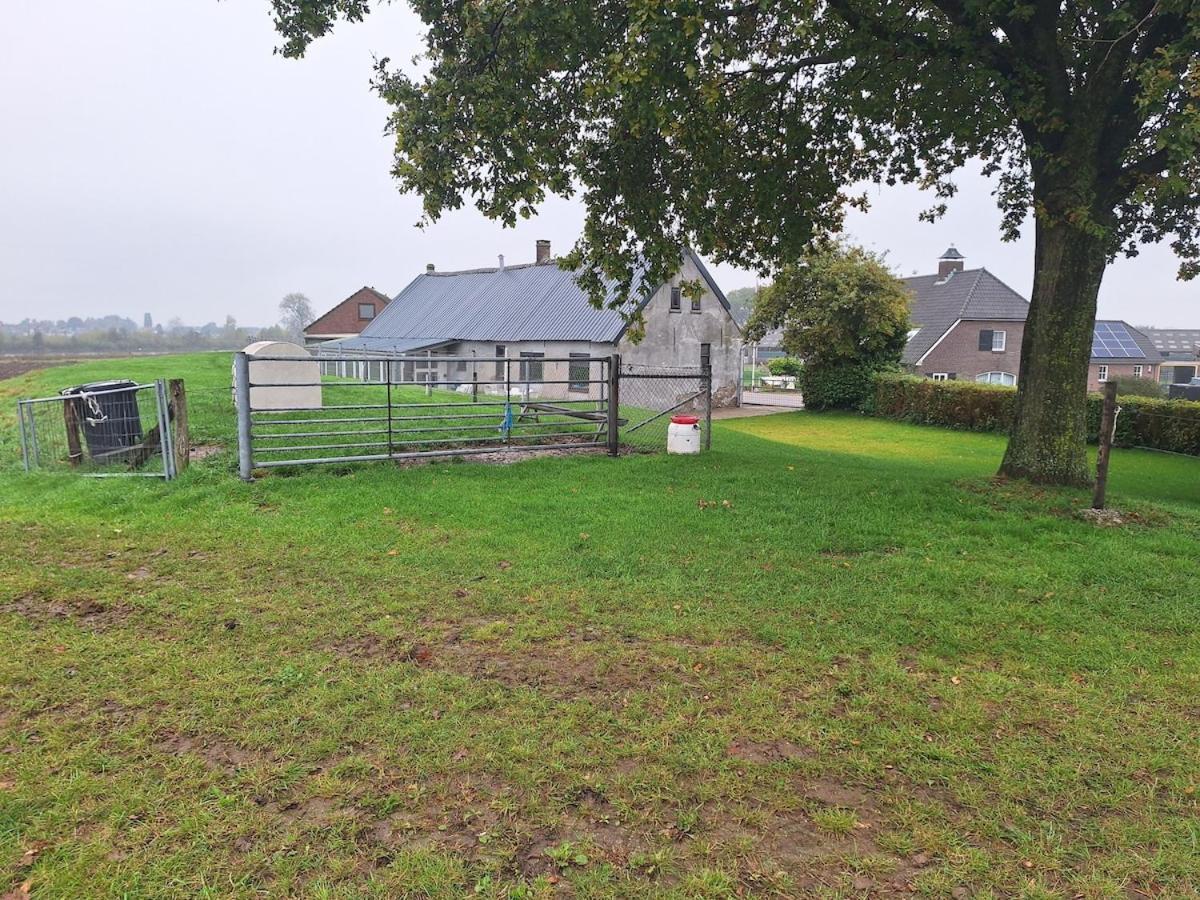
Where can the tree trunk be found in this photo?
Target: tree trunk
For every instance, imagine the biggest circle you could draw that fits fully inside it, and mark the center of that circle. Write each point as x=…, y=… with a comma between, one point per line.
x=1048, y=441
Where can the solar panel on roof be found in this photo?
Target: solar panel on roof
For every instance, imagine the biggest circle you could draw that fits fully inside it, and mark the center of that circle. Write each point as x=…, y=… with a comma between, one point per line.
x=1112, y=340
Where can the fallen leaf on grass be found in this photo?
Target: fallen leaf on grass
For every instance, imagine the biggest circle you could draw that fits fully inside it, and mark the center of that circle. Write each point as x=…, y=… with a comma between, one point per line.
x=33, y=852
x=462, y=594
x=504, y=565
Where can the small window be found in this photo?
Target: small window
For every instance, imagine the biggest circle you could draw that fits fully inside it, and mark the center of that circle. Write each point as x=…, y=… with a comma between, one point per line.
x=462, y=365
x=501, y=368
x=578, y=372
x=705, y=356
x=676, y=299
x=999, y=340
x=1137, y=371
x=531, y=367
x=1102, y=373
x=940, y=376
x=696, y=304
x=366, y=311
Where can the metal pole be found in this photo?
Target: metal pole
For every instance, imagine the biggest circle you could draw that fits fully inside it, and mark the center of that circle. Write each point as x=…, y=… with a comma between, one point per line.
x=474, y=378
x=164, y=429
x=614, y=404
x=33, y=439
x=241, y=386
x=1108, y=424
x=21, y=423
x=507, y=398
x=428, y=373
x=388, y=363
x=707, y=376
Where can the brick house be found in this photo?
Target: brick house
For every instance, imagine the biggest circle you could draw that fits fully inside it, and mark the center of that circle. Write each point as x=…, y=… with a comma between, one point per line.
x=348, y=318
x=967, y=324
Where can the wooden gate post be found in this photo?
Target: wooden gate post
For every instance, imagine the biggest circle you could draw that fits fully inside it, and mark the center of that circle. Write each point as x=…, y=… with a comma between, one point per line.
x=614, y=404
x=1108, y=424
x=178, y=417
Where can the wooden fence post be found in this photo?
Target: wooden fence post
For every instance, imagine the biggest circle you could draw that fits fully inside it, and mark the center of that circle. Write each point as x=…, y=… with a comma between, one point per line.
x=1108, y=424
x=178, y=412
x=614, y=404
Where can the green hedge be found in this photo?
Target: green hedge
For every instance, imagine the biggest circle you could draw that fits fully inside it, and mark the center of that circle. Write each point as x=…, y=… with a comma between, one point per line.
x=847, y=386
x=1143, y=422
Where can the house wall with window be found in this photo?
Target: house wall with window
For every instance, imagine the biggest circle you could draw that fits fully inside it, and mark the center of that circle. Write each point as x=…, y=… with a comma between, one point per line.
x=346, y=319
x=680, y=334
x=1100, y=372
x=961, y=353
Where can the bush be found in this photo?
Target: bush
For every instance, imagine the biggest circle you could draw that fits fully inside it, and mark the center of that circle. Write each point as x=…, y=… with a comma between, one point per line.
x=1172, y=425
x=785, y=366
x=950, y=404
x=844, y=386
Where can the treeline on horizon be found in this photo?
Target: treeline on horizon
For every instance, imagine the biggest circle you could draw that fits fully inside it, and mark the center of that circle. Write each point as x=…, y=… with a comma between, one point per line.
x=119, y=334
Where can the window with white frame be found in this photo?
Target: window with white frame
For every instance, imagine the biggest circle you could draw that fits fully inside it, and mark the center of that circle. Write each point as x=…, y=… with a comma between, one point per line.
x=1006, y=378
x=999, y=341
x=1137, y=371
x=1102, y=373
x=940, y=376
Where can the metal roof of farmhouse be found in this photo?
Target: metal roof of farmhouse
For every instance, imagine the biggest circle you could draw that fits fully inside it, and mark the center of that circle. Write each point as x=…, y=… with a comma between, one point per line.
x=526, y=302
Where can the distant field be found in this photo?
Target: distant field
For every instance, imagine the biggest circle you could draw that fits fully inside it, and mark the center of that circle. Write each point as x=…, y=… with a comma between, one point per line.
x=831, y=657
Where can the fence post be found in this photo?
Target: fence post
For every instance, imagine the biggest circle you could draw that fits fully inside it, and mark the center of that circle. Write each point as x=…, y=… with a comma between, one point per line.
x=164, y=429
x=24, y=445
x=706, y=376
x=241, y=386
x=1108, y=424
x=177, y=412
x=614, y=404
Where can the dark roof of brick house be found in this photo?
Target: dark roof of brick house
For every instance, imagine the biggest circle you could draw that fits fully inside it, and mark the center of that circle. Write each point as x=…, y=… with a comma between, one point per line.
x=941, y=300
x=1144, y=344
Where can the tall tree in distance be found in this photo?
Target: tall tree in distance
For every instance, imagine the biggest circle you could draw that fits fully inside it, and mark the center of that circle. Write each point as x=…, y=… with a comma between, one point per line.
x=297, y=313
x=740, y=127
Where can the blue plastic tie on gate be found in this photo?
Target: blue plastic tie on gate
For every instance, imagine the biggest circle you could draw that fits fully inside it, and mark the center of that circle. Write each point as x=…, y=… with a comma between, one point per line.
x=506, y=425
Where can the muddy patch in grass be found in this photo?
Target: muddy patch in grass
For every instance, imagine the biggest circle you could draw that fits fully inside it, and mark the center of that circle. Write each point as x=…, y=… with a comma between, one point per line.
x=216, y=754
x=766, y=751
x=84, y=611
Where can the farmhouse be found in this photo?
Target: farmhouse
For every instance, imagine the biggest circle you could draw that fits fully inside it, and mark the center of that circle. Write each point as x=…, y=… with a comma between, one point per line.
x=968, y=324
x=347, y=319
x=527, y=325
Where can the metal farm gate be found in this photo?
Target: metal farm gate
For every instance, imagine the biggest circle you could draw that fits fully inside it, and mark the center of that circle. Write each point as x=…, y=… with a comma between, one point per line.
x=354, y=407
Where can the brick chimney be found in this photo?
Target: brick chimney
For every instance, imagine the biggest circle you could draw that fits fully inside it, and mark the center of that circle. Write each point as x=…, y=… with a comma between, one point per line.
x=543, y=252
x=428, y=267
x=951, y=261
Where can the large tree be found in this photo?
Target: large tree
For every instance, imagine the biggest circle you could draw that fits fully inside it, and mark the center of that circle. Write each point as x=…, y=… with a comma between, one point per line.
x=739, y=126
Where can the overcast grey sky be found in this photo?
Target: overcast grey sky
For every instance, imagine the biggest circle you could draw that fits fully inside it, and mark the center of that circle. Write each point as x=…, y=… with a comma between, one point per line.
x=156, y=157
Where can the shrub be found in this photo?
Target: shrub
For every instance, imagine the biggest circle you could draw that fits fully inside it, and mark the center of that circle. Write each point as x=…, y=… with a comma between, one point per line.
x=785, y=366
x=1172, y=425
x=835, y=387
x=951, y=404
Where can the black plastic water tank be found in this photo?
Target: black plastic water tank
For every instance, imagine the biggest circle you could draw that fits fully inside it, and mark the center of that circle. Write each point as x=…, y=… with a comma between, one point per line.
x=108, y=411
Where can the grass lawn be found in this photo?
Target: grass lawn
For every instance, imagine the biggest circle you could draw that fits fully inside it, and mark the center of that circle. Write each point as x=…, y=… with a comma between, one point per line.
x=858, y=666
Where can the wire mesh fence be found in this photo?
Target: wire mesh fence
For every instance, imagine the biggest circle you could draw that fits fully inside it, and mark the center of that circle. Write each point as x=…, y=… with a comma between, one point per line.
x=117, y=428
x=650, y=395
